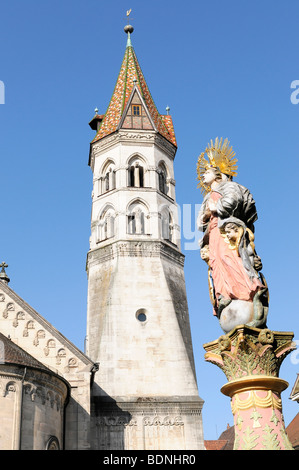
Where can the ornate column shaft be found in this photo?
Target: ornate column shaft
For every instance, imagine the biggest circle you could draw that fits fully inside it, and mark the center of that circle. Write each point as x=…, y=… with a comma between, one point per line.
x=251, y=359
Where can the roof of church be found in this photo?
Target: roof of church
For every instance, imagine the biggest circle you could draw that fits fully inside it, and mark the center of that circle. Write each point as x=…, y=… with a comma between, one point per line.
x=129, y=75
x=293, y=431
x=17, y=352
x=11, y=353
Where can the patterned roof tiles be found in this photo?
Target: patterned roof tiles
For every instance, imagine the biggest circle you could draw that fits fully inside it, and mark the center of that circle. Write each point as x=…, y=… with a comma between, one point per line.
x=131, y=73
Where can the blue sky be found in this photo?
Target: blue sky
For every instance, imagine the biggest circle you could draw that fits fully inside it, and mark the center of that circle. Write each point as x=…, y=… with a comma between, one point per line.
x=224, y=69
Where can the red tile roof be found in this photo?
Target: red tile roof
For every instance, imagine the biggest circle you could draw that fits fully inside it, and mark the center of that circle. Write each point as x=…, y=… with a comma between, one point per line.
x=130, y=72
x=293, y=431
x=225, y=442
x=215, y=445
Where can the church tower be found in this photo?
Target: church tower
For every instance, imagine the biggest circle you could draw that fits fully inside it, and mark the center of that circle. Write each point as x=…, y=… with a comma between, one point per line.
x=144, y=394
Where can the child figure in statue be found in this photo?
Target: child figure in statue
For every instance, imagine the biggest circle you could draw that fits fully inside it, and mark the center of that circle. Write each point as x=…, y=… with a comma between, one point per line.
x=227, y=216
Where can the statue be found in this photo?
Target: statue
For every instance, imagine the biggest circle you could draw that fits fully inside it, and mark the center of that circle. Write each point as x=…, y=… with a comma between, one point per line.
x=238, y=290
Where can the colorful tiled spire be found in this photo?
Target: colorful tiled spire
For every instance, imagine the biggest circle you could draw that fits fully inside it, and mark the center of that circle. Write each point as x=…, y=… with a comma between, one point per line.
x=130, y=75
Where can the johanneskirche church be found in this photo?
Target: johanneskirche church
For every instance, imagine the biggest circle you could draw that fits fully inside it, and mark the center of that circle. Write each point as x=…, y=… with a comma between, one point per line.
x=134, y=388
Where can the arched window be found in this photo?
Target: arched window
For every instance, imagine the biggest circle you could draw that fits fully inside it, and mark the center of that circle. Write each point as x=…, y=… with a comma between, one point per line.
x=162, y=173
x=106, y=224
x=137, y=219
x=167, y=228
x=107, y=178
x=52, y=443
x=136, y=173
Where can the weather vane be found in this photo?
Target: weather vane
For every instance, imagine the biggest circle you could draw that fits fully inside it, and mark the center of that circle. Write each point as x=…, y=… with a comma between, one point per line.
x=128, y=15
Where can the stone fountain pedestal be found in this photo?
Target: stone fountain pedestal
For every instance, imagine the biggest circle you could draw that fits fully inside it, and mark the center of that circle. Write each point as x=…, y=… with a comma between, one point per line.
x=251, y=359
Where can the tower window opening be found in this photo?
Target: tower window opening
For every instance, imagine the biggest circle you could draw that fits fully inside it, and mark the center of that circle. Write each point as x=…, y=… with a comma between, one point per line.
x=162, y=179
x=136, y=176
x=107, y=182
x=132, y=176
x=141, y=315
x=141, y=177
x=131, y=224
x=167, y=226
x=136, y=110
x=106, y=227
x=136, y=223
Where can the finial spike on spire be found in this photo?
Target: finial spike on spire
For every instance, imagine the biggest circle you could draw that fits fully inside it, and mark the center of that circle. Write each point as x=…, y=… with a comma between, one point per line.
x=129, y=29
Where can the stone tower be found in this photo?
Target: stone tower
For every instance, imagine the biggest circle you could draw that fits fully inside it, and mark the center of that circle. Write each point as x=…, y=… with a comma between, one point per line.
x=144, y=394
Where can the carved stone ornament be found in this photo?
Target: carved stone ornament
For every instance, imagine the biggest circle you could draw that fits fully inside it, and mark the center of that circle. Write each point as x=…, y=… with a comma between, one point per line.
x=40, y=334
x=19, y=316
x=9, y=308
x=50, y=344
x=29, y=326
x=166, y=421
x=251, y=359
x=60, y=354
x=52, y=444
x=116, y=421
x=10, y=387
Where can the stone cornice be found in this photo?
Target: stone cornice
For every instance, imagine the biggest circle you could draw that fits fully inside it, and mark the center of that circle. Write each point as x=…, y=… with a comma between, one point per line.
x=150, y=406
x=129, y=137
x=135, y=248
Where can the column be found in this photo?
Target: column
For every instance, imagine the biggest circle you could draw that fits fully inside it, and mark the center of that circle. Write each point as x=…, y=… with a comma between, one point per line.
x=250, y=359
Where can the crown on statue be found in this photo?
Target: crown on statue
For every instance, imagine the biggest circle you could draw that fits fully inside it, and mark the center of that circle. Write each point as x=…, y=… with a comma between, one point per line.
x=218, y=155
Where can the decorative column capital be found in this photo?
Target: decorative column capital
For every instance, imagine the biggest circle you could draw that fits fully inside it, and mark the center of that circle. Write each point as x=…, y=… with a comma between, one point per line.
x=251, y=358
x=247, y=351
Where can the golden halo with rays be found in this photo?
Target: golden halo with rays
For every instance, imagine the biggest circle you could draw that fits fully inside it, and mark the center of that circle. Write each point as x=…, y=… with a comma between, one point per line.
x=216, y=155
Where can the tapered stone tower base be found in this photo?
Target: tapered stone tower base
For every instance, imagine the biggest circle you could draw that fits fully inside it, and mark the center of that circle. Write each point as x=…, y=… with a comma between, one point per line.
x=251, y=359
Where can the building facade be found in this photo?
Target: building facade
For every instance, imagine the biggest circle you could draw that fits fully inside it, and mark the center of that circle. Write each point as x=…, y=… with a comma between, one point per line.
x=135, y=386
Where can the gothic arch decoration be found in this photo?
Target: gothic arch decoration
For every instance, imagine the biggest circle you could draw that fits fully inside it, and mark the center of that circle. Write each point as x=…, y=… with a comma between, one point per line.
x=107, y=180
x=19, y=316
x=40, y=395
x=40, y=334
x=163, y=176
x=50, y=398
x=9, y=308
x=167, y=224
x=50, y=345
x=138, y=219
x=52, y=443
x=30, y=390
x=10, y=387
x=29, y=326
x=72, y=363
x=137, y=171
x=106, y=223
x=61, y=354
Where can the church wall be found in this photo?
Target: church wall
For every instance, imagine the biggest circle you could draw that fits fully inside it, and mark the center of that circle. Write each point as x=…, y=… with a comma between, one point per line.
x=159, y=423
x=77, y=415
x=32, y=408
x=39, y=338
x=10, y=414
